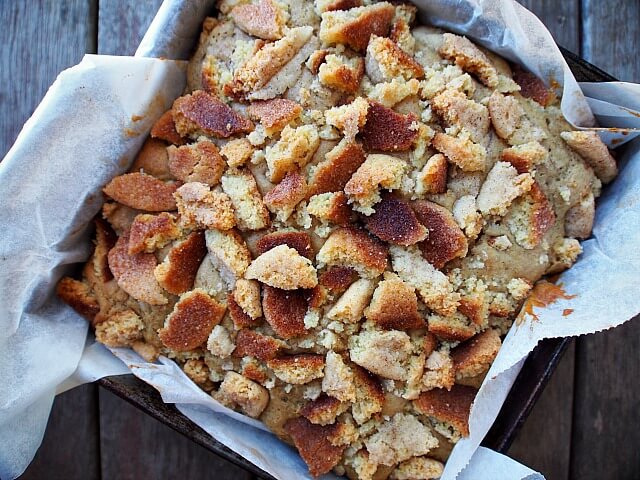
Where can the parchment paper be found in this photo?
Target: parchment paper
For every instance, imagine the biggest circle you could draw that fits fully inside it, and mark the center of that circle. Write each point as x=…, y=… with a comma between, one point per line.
x=82, y=135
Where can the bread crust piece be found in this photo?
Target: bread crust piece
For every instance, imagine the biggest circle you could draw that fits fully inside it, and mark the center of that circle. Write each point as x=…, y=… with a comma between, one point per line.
x=284, y=310
x=333, y=173
x=191, y=321
x=150, y=232
x=591, y=148
x=323, y=410
x=283, y=267
x=142, y=192
x=263, y=19
x=532, y=87
x=354, y=27
x=354, y=248
x=469, y=156
x=378, y=172
x=200, y=207
x=299, y=241
x=200, y=113
x=338, y=279
x=469, y=57
x=394, y=305
x=284, y=197
x=249, y=209
x=297, y=369
x=385, y=61
x=451, y=406
x=531, y=217
x=134, y=273
x=198, y=162
x=475, y=356
x=502, y=185
x=457, y=110
x=394, y=221
x=388, y=131
x=312, y=442
x=251, y=397
x=253, y=344
x=153, y=159
x=177, y=272
x=229, y=253
x=446, y=241
x=341, y=73
x=384, y=353
x=274, y=114
x=165, y=129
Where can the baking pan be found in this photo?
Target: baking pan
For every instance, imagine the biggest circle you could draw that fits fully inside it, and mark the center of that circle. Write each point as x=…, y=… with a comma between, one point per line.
x=528, y=386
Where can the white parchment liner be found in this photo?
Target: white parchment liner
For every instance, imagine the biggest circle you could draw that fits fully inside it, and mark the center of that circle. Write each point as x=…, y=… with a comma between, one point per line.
x=82, y=134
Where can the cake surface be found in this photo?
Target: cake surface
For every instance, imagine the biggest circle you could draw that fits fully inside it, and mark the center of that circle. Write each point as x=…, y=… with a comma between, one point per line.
x=334, y=226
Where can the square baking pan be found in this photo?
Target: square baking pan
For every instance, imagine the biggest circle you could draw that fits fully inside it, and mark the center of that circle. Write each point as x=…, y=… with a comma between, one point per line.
x=527, y=388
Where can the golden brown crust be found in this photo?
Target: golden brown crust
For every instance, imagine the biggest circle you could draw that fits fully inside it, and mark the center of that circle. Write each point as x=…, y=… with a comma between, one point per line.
x=198, y=162
x=313, y=445
x=200, y=113
x=283, y=198
x=333, y=173
x=105, y=240
x=341, y=73
x=341, y=5
x=394, y=305
x=262, y=19
x=165, y=129
x=338, y=279
x=446, y=240
x=395, y=222
x=78, y=296
x=283, y=267
x=531, y=217
x=150, y=232
x=200, y=207
x=354, y=28
x=134, y=273
x=593, y=150
x=457, y=110
x=142, y=192
x=237, y=152
x=331, y=207
x=322, y=411
x=532, y=87
x=253, y=344
x=316, y=59
x=249, y=209
x=177, y=272
x=469, y=57
x=474, y=356
x=470, y=157
x=191, y=321
x=274, y=114
x=524, y=157
x=299, y=241
x=297, y=369
x=284, y=310
x=390, y=61
x=433, y=177
x=239, y=317
x=451, y=406
x=153, y=159
x=388, y=131
x=353, y=247
x=452, y=329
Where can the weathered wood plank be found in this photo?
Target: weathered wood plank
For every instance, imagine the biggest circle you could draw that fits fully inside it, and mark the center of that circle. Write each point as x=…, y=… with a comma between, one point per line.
x=611, y=35
x=71, y=447
x=121, y=25
x=135, y=446
x=561, y=18
x=544, y=442
x=39, y=39
x=607, y=405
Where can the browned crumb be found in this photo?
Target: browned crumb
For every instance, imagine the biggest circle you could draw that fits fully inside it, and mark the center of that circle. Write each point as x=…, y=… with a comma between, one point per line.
x=253, y=344
x=387, y=130
x=200, y=207
x=524, y=157
x=300, y=241
x=78, y=296
x=198, y=162
x=191, y=321
x=594, y=151
x=352, y=247
x=333, y=173
x=394, y=305
x=433, y=177
x=323, y=410
x=452, y=406
x=341, y=73
x=134, y=273
x=165, y=129
x=338, y=279
x=297, y=369
x=446, y=240
x=475, y=356
x=394, y=221
x=283, y=198
x=274, y=114
x=263, y=19
x=284, y=310
x=142, y=192
x=200, y=113
x=153, y=159
x=177, y=272
x=150, y=232
x=532, y=87
x=312, y=442
x=469, y=57
x=283, y=267
x=469, y=156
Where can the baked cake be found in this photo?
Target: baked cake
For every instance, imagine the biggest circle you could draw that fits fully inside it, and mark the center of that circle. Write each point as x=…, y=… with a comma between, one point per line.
x=334, y=226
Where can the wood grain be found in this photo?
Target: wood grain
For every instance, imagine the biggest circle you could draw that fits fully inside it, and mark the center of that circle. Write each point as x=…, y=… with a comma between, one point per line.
x=135, y=446
x=606, y=437
x=121, y=25
x=544, y=443
x=71, y=446
x=561, y=18
x=39, y=39
x=611, y=35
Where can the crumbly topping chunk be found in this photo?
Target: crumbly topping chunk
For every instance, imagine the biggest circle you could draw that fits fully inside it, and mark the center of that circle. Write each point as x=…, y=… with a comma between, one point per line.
x=449, y=406
x=340, y=163
x=474, y=356
x=283, y=267
x=198, y=162
x=165, y=129
x=386, y=60
x=284, y=197
x=378, y=171
x=388, y=131
x=263, y=19
x=594, y=152
x=297, y=369
x=178, y=270
x=274, y=114
x=229, y=253
x=142, y=192
x=285, y=310
x=502, y=185
x=251, y=397
x=201, y=207
x=150, y=232
x=294, y=149
x=237, y=152
x=341, y=73
x=383, y=353
x=394, y=221
x=469, y=57
x=249, y=209
x=353, y=247
x=469, y=156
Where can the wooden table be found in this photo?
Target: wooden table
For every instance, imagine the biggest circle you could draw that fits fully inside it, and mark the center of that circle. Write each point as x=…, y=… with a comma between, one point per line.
x=585, y=425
